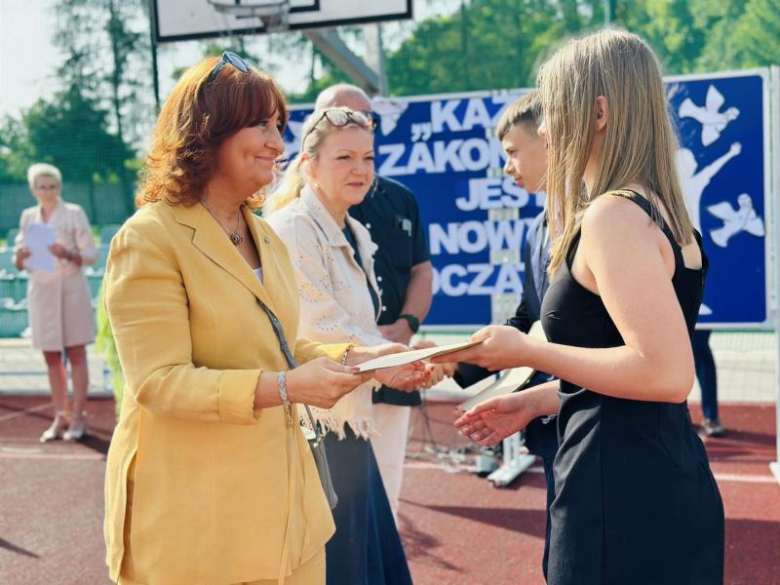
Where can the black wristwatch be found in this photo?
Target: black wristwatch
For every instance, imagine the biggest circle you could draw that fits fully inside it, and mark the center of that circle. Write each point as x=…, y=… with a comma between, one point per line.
x=414, y=322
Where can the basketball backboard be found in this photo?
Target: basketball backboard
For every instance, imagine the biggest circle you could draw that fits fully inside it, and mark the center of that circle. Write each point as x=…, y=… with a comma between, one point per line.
x=181, y=20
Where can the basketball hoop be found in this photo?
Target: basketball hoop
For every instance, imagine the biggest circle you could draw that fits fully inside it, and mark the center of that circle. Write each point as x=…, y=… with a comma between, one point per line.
x=273, y=14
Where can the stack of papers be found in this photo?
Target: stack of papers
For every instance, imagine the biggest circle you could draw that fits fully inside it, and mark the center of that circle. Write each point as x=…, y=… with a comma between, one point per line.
x=38, y=237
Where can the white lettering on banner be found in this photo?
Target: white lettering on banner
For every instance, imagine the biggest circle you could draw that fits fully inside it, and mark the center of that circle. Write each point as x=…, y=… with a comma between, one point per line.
x=456, y=280
x=492, y=193
x=394, y=153
x=473, y=154
x=472, y=237
x=419, y=159
x=476, y=115
x=447, y=153
x=443, y=116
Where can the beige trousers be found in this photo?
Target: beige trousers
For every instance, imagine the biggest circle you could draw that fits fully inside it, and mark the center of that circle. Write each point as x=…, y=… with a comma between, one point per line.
x=311, y=573
x=392, y=425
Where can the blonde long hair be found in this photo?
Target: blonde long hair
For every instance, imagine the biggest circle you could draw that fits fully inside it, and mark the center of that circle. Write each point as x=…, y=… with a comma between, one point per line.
x=639, y=145
x=315, y=130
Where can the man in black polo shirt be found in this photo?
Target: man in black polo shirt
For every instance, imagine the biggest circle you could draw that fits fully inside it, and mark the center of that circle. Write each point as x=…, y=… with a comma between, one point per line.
x=405, y=276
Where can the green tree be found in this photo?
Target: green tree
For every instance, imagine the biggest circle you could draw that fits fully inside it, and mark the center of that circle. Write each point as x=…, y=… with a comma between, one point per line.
x=487, y=44
x=753, y=40
x=106, y=54
x=71, y=132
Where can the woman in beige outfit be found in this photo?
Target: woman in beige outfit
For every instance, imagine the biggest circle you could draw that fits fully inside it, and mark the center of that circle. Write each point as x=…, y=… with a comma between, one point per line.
x=60, y=309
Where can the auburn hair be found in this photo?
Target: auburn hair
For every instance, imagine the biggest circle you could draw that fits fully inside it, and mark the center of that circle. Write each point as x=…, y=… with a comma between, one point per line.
x=196, y=119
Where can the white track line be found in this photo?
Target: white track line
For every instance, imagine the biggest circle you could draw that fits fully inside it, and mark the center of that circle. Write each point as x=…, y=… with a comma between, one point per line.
x=14, y=415
x=724, y=477
x=15, y=453
x=745, y=478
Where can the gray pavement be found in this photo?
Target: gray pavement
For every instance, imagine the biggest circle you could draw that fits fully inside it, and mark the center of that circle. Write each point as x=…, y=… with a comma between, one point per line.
x=23, y=371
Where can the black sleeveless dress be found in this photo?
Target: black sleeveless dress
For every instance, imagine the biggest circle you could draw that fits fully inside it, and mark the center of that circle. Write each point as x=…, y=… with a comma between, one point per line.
x=636, y=502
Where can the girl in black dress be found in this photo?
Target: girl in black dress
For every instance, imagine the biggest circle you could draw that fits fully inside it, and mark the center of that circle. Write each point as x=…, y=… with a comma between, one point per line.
x=636, y=502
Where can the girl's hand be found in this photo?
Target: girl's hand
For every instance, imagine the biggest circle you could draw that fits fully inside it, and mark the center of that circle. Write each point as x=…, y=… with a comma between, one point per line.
x=501, y=347
x=494, y=420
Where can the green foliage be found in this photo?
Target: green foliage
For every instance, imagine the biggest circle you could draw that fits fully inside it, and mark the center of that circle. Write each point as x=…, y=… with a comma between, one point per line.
x=100, y=110
x=492, y=44
x=487, y=44
x=96, y=110
x=754, y=40
x=70, y=131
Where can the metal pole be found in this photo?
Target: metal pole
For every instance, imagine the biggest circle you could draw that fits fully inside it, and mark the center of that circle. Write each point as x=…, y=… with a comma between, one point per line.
x=609, y=12
x=330, y=44
x=774, y=112
x=383, y=89
x=153, y=44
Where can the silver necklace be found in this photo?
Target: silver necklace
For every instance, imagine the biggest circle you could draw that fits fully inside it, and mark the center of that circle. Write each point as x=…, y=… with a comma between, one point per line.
x=235, y=237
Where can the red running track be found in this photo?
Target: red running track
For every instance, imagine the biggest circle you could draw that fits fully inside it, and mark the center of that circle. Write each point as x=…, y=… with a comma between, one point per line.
x=457, y=529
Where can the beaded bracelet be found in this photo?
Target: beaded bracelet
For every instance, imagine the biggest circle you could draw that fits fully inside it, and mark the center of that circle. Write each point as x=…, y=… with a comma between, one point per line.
x=346, y=354
x=281, y=384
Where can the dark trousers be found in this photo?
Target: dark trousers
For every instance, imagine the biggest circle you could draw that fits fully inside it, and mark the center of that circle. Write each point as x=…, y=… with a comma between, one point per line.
x=706, y=373
x=366, y=548
x=547, y=462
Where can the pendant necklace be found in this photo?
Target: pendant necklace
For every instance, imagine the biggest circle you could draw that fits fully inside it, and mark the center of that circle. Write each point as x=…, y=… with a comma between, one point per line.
x=235, y=237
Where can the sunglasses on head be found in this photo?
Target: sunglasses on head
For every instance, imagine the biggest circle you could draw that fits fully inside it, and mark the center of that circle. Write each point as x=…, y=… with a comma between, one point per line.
x=228, y=57
x=339, y=118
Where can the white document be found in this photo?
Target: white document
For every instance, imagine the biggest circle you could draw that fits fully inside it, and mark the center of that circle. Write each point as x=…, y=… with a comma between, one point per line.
x=38, y=237
x=407, y=357
x=509, y=381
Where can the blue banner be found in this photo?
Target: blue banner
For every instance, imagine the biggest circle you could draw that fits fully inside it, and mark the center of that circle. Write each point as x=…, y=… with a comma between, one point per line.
x=443, y=148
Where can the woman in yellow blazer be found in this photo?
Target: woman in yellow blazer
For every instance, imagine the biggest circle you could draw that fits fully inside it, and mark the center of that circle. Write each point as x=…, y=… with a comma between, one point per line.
x=210, y=479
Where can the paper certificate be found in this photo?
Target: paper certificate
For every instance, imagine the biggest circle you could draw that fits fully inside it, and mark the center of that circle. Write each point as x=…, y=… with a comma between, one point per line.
x=37, y=238
x=407, y=357
x=508, y=382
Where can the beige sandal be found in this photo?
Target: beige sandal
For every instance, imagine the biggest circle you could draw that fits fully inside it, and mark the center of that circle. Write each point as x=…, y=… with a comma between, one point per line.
x=55, y=431
x=77, y=428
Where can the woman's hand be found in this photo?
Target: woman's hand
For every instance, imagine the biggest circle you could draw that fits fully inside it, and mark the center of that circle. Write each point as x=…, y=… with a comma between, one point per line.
x=445, y=370
x=501, y=347
x=322, y=382
x=408, y=378
x=59, y=251
x=359, y=354
x=22, y=254
x=496, y=419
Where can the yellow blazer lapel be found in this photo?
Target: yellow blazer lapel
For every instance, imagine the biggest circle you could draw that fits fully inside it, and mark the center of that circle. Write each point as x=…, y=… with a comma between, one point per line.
x=211, y=240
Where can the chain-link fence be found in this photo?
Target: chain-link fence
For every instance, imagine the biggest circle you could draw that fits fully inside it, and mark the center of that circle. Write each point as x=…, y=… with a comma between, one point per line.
x=106, y=205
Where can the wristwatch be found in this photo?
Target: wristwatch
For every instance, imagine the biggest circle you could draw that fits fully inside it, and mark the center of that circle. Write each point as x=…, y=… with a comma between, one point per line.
x=414, y=322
